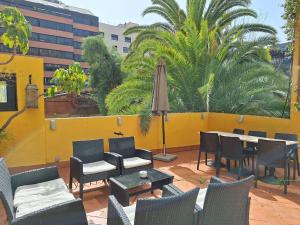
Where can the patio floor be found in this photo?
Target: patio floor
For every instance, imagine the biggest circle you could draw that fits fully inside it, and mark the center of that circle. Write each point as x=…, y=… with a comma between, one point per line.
x=269, y=206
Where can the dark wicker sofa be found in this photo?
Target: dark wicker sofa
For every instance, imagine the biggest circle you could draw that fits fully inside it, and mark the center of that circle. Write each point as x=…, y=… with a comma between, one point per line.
x=50, y=209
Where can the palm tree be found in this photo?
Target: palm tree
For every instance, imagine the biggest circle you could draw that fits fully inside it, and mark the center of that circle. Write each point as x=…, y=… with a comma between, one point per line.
x=222, y=14
x=212, y=64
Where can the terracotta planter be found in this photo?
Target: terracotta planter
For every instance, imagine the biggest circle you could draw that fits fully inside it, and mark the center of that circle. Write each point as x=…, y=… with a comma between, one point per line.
x=58, y=105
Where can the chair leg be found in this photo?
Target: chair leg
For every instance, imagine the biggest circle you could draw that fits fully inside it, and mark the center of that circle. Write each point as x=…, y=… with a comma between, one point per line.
x=199, y=158
x=288, y=174
x=294, y=170
x=228, y=164
x=70, y=182
x=253, y=158
x=256, y=174
x=81, y=189
x=240, y=169
x=266, y=170
x=285, y=179
x=206, y=158
x=218, y=164
x=298, y=164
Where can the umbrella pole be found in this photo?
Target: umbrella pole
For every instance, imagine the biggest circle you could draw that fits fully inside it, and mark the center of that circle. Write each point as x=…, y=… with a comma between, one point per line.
x=163, y=133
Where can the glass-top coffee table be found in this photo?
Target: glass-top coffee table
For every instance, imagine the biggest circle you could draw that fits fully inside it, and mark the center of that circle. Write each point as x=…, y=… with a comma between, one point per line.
x=125, y=186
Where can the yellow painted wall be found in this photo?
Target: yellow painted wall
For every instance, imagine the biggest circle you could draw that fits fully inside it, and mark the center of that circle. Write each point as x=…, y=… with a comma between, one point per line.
x=26, y=134
x=181, y=130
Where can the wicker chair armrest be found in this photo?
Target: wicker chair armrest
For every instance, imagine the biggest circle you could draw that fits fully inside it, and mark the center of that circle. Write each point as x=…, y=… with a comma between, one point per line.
x=112, y=158
x=170, y=190
x=34, y=177
x=76, y=166
x=217, y=180
x=144, y=154
x=68, y=213
x=115, y=213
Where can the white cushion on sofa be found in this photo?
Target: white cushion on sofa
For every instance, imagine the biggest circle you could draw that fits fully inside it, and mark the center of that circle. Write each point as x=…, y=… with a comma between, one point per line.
x=201, y=197
x=34, y=192
x=135, y=162
x=97, y=167
x=130, y=212
x=34, y=197
x=43, y=202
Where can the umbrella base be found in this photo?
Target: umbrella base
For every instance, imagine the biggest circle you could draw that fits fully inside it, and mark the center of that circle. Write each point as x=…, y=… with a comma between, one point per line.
x=165, y=158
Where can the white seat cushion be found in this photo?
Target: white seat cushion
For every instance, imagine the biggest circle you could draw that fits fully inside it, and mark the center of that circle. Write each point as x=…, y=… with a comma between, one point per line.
x=135, y=162
x=43, y=202
x=34, y=197
x=30, y=193
x=201, y=197
x=130, y=212
x=97, y=167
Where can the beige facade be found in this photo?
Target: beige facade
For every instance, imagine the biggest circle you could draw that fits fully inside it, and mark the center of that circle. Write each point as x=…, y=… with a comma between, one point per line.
x=114, y=36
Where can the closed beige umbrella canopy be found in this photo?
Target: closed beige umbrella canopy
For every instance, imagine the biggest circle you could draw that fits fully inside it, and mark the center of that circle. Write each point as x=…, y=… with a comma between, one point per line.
x=160, y=101
x=160, y=105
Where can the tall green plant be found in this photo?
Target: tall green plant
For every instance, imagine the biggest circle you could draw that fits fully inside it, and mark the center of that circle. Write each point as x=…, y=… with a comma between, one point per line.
x=17, y=31
x=71, y=80
x=105, y=68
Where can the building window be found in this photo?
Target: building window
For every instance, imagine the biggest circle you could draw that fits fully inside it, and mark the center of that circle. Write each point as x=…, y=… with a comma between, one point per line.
x=47, y=81
x=8, y=92
x=125, y=50
x=54, y=67
x=114, y=37
x=101, y=34
x=128, y=39
x=84, y=33
x=77, y=44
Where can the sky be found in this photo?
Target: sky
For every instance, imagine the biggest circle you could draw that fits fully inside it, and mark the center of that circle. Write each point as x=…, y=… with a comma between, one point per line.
x=121, y=11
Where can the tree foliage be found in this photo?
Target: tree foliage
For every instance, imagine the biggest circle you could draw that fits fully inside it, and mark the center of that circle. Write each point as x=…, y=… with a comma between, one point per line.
x=105, y=68
x=17, y=31
x=71, y=80
x=291, y=7
x=212, y=63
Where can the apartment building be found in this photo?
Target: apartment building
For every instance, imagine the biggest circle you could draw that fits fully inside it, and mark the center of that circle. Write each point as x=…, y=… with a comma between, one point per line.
x=57, y=31
x=114, y=36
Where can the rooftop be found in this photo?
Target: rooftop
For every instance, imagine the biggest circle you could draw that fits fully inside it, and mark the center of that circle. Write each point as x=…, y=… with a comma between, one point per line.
x=61, y=5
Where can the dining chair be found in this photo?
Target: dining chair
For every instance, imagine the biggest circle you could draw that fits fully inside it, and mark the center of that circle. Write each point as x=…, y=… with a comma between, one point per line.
x=272, y=154
x=209, y=144
x=251, y=148
x=232, y=149
x=238, y=131
x=293, y=150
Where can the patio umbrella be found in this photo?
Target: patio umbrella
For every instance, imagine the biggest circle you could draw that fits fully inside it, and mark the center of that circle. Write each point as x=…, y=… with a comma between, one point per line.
x=160, y=105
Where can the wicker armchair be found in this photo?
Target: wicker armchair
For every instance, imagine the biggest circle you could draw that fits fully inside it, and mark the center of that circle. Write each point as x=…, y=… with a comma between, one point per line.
x=132, y=159
x=222, y=203
x=90, y=163
x=171, y=210
x=40, y=209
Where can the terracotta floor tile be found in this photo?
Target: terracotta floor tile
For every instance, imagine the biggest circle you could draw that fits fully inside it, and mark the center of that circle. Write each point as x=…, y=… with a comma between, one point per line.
x=269, y=206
